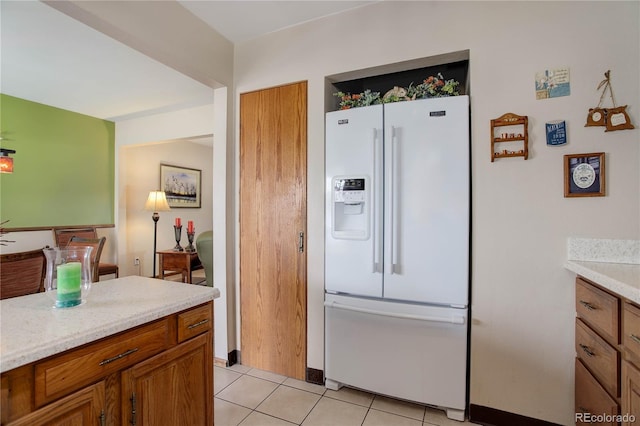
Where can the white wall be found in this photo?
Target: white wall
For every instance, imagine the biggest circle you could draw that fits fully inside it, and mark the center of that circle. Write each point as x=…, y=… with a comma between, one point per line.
x=142, y=145
x=139, y=174
x=522, y=298
x=184, y=123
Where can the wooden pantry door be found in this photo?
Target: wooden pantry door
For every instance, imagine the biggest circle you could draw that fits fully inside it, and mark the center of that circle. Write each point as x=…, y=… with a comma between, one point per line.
x=273, y=194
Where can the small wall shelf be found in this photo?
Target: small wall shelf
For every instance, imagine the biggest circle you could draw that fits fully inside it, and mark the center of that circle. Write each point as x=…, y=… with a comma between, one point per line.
x=506, y=129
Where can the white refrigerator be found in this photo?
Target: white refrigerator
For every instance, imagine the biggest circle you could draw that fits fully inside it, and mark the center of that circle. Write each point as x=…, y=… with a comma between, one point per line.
x=397, y=250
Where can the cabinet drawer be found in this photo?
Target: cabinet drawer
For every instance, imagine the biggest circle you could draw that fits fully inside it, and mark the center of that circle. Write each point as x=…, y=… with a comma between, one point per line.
x=195, y=321
x=631, y=330
x=76, y=368
x=599, y=357
x=591, y=398
x=599, y=309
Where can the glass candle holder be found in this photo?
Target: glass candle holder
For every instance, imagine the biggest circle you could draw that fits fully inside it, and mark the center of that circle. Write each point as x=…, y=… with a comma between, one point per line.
x=68, y=275
x=178, y=234
x=190, y=247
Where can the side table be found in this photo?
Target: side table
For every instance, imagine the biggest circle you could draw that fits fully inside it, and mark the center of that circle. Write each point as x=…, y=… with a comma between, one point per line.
x=178, y=262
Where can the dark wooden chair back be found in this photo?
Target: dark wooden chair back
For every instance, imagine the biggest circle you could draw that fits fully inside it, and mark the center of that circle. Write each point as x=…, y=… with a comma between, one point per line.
x=22, y=273
x=62, y=236
x=97, y=244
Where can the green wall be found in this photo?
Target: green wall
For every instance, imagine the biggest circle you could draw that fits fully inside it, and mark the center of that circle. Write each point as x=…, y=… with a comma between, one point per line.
x=63, y=166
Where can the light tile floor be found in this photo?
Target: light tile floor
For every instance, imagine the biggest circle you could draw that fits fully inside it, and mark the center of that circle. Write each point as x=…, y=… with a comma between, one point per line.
x=251, y=397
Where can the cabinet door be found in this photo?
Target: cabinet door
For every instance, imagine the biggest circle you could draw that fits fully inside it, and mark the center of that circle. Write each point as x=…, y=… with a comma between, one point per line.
x=83, y=408
x=172, y=388
x=630, y=393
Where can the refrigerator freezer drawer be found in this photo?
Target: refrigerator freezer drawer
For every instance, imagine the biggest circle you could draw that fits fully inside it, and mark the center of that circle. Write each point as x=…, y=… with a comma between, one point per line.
x=412, y=352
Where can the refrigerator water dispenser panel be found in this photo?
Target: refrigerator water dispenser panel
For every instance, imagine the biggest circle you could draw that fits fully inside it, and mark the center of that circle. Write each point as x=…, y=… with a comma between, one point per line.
x=350, y=213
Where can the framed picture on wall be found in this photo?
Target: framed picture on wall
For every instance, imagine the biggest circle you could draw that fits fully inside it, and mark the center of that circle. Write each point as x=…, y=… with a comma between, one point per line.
x=584, y=175
x=181, y=185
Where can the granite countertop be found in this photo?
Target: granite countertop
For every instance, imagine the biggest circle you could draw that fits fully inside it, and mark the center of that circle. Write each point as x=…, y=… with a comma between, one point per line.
x=622, y=279
x=31, y=329
x=613, y=264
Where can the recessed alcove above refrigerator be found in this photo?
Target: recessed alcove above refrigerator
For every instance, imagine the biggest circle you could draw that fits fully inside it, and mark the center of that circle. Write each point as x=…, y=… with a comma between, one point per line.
x=382, y=78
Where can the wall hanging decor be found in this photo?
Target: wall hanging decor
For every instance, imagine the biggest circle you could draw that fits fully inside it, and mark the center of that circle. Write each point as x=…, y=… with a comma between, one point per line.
x=181, y=185
x=556, y=132
x=584, y=175
x=510, y=128
x=552, y=83
x=615, y=118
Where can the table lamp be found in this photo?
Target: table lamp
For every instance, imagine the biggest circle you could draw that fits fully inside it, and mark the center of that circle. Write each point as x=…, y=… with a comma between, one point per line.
x=157, y=202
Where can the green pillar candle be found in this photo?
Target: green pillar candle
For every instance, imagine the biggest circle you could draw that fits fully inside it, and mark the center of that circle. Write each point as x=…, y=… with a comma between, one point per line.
x=69, y=278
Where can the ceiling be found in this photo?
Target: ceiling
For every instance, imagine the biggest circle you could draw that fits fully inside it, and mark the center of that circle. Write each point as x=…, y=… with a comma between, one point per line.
x=242, y=20
x=50, y=58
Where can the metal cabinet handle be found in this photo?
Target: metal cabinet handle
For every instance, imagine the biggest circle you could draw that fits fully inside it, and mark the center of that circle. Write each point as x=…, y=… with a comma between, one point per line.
x=588, y=305
x=586, y=350
x=635, y=338
x=133, y=410
x=117, y=357
x=198, y=324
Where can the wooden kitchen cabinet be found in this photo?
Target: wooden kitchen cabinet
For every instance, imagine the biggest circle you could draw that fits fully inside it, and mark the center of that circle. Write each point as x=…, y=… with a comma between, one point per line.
x=165, y=367
x=607, y=379
x=631, y=364
x=170, y=388
x=83, y=408
x=592, y=397
x=630, y=393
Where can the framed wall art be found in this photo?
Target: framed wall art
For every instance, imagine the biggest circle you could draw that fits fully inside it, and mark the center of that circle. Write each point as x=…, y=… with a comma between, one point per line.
x=181, y=185
x=584, y=175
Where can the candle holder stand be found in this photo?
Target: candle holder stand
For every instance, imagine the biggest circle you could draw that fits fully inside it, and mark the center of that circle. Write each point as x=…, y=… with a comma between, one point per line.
x=178, y=234
x=190, y=248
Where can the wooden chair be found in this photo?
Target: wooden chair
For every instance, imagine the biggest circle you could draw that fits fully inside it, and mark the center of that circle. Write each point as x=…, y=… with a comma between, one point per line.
x=22, y=273
x=97, y=244
x=63, y=235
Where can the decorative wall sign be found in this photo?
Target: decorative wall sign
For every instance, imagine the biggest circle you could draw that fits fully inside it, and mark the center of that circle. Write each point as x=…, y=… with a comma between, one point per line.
x=552, y=83
x=584, y=175
x=596, y=117
x=618, y=119
x=181, y=185
x=556, y=132
x=615, y=118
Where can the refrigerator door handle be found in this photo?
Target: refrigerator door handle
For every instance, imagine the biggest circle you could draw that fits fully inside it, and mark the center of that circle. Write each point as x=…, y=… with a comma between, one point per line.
x=376, y=194
x=453, y=319
x=393, y=204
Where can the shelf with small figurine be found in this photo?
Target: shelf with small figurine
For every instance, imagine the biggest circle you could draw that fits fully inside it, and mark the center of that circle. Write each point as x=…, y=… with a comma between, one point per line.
x=499, y=135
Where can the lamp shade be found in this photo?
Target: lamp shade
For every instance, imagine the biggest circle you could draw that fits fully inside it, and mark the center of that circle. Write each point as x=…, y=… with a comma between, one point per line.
x=6, y=164
x=157, y=202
